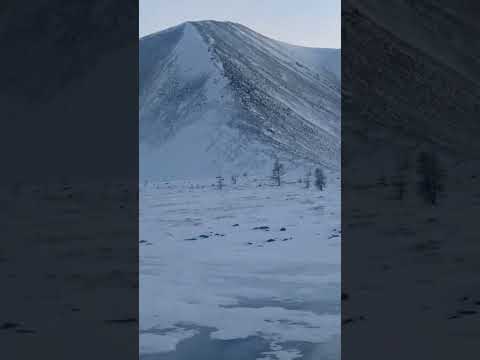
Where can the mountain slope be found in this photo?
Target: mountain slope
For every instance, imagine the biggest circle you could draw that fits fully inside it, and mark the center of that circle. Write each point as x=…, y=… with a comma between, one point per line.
x=219, y=98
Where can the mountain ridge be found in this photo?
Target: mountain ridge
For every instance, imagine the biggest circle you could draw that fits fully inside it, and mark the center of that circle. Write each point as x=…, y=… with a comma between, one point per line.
x=193, y=22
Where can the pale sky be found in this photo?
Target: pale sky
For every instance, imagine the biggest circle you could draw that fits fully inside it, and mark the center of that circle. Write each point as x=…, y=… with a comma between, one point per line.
x=314, y=23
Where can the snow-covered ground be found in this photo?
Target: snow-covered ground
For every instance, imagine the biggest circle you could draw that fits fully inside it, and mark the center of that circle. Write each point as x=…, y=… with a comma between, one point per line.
x=252, y=270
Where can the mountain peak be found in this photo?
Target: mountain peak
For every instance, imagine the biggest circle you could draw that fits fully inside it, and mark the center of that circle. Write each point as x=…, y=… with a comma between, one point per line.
x=212, y=22
x=221, y=97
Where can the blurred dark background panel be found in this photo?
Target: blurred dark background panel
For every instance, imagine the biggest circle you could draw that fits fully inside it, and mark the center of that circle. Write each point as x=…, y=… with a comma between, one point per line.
x=69, y=179
x=410, y=179
x=69, y=83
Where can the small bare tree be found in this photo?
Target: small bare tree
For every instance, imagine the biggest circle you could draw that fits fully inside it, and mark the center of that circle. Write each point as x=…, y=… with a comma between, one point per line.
x=320, y=179
x=277, y=172
x=399, y=181
x=431, y=177
x=220, y=182
x=308, y=175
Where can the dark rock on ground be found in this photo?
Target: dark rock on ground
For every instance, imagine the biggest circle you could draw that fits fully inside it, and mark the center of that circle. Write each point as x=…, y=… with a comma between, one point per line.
x=9, y=325
x=266, y=228
x=467, y=312
x=121, y=321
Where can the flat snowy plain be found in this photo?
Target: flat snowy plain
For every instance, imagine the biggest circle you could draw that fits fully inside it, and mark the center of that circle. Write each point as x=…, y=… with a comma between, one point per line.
x=251, y=271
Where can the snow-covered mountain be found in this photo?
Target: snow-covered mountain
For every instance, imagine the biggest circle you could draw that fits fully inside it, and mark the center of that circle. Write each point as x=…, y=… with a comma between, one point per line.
x=218, y=98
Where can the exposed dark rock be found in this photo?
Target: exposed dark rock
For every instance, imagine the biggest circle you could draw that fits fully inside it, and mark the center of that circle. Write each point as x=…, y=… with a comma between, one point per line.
x=122, y=321
x=9, y=325
x=467, y=312
x=266, y=228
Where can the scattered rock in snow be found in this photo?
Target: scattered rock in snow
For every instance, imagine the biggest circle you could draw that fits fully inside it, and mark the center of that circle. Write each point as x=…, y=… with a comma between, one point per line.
x=265, y=228
x=122, y=321
x=467, y=312
x=9, y=325
x=351, y=320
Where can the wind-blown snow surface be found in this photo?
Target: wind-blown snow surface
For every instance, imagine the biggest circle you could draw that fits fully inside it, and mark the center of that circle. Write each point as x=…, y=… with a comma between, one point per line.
x=218, y=98
x=256, y=266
